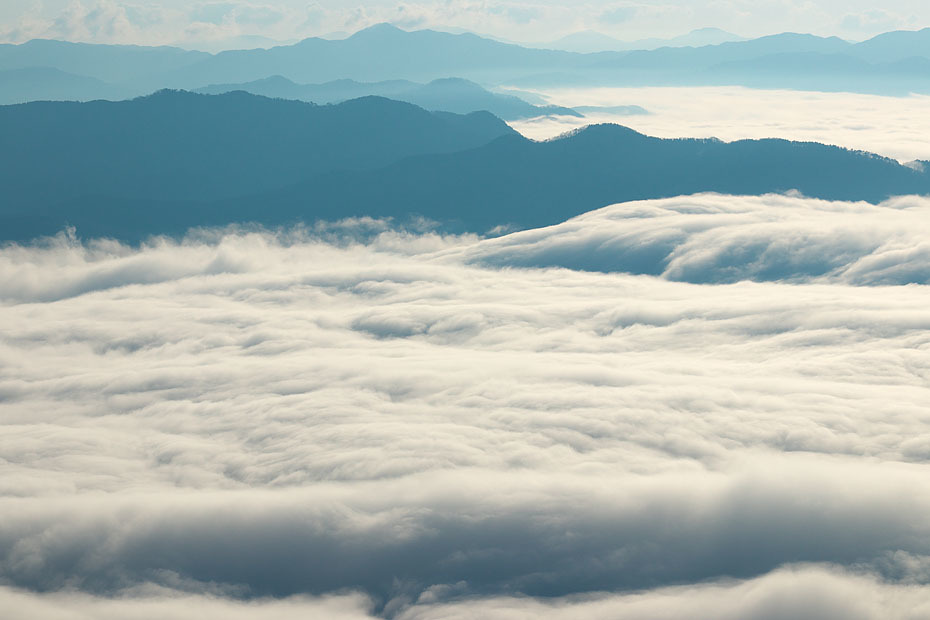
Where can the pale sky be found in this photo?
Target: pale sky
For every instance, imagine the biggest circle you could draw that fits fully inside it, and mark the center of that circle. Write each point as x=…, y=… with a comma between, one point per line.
x=217, y=24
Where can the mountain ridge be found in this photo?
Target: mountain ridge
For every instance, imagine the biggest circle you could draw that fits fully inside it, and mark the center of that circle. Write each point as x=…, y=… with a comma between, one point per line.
x=181, y=145
x=213, y=160
x=445, y=94
x=385, y=52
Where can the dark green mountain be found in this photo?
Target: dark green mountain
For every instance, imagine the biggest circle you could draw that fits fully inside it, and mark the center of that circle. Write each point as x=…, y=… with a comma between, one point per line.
x=164, y=163
x=523, y=184
x=184, y=146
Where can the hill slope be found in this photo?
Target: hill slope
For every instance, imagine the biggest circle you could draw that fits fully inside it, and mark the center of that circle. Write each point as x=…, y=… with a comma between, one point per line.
x=116, y=64
x=524, y=184
x=164, y=163
x=447, y=94
x=183, y=146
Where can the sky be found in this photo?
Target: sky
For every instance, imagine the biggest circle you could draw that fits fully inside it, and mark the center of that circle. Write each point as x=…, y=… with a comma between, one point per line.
x=523, y=426
x=215, y=25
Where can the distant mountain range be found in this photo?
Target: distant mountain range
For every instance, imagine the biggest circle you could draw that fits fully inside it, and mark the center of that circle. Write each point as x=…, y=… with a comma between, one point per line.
x=590, y=41
x=447, y=94
x=114, y=64
x=49, y=84
x=895, y=63
x=892, y=63
x=164, y=163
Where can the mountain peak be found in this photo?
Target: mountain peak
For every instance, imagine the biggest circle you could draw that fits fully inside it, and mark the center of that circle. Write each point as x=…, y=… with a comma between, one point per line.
x=276, y=80
x=600, y=132
x=711, y=30
x=383, y=29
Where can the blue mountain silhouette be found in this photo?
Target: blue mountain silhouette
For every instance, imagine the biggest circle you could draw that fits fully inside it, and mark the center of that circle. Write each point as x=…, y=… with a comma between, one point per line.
x=48, y=84
x=884, y=64
x=164, y=163
x=446, y=94
x=181, y=145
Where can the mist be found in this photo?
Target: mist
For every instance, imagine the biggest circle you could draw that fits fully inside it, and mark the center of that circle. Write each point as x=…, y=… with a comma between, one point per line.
x=362, y=421
x=891, y=126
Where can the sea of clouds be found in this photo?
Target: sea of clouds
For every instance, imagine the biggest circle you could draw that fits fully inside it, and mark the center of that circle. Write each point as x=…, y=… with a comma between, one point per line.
x=891, y=126
x=700, y=407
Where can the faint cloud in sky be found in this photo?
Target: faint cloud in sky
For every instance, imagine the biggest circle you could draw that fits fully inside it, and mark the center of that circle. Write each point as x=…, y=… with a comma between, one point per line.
x=618, y=15
x=113, y=21
x=213, y=13
x=870, y=21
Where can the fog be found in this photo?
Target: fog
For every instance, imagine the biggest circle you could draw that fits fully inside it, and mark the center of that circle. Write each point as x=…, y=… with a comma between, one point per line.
x=891, y=126
x=714, y=239
x=357, y=421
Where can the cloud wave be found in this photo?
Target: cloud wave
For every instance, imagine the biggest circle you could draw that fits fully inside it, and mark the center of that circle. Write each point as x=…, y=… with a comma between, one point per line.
x=712, y=239
x=891, y=126
x=362, y=422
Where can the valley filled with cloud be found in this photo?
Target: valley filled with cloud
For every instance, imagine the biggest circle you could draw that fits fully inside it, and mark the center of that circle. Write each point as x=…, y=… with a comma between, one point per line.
x=891, y=126
x=699, y=407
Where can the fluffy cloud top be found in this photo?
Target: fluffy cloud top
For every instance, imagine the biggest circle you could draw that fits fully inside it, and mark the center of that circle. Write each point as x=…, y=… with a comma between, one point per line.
x=710, y=239
x=418, y=426
x=891, y=126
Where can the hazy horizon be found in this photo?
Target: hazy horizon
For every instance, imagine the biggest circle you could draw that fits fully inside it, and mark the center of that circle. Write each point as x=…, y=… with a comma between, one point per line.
x=232, y=24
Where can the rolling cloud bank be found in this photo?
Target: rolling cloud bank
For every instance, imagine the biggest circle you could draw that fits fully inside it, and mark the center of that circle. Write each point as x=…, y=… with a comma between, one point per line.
x=891, y=126
x=698, y=407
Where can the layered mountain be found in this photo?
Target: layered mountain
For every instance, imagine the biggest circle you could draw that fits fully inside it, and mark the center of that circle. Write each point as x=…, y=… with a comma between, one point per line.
x=185, y=146
x=114, y=64
x=516, y=183
x=894, y=46
x=46, y=84
x=591, y=41
x=176, y=160
x=447, y=94
x=378, y=53
x=892, y=63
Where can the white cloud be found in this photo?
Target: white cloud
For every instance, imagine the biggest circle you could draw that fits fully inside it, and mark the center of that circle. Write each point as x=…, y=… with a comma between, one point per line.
x=891, y=126
x=874, y=20
x=813, y=593
x=715, y=239
x=191, y=426
x=147, y=603
x=194, y=24
x=104, y=20
x=618, y=14
x=787, y=594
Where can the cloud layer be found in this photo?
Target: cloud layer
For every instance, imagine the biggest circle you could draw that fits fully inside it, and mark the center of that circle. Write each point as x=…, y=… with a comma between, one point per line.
x=891, y=126
x=416, y=426
x=809, y=592
x=712, y=239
